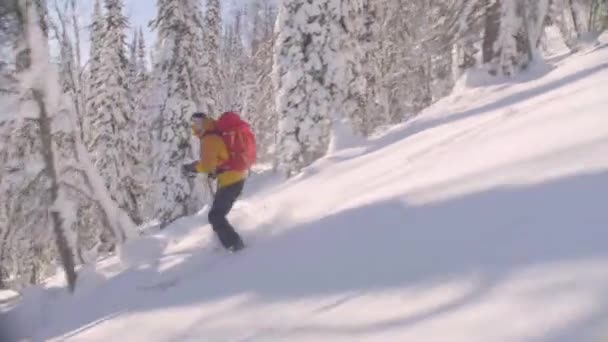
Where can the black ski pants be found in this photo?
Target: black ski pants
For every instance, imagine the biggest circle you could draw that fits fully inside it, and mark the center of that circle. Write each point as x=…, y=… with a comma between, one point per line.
x=222, y=204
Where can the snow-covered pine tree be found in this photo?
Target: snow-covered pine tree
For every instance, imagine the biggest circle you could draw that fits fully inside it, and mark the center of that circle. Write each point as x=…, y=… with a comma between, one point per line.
x=513, y=31
x=305, y=57
x=142, y=65
x=176, y=92
x=509, y=50
x=371, y=42
x=469, y=28
x=68, y=66
x=254, y=28
x=352, y=90
x=132, y=69
x=259, y=92
x=442, y=26
x=89, y=225
x=114, y=145
x=141, y=124
x=535, y=14
x=561, y=16
x=361, y=40
x=96, y=220
x=210, y=64
x=233, y=65
x=576, y=18
x=94, y=81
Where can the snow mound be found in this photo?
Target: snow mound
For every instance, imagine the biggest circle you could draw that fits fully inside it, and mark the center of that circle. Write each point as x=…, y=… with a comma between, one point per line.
x=88, y=279
x=7, y=295
x=143, y=251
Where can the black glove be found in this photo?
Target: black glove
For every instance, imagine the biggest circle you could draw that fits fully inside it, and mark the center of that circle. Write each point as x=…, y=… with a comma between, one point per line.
x=189, y=169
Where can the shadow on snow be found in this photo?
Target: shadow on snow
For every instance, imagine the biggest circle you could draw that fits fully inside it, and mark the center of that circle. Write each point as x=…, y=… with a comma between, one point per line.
x=390, y=245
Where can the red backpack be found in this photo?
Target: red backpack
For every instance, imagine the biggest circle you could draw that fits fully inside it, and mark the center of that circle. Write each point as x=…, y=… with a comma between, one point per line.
x=239, y=140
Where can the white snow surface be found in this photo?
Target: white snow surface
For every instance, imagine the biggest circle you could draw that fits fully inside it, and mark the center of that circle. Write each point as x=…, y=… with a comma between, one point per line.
x=484, y=219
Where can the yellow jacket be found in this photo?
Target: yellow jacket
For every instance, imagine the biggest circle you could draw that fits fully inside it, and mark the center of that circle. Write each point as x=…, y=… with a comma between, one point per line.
x=213, y=152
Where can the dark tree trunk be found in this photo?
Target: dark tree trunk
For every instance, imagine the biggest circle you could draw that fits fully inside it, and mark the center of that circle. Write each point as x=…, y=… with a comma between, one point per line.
x=492, y=28
x=3, y=249
x=24, y=62
x=575, y=19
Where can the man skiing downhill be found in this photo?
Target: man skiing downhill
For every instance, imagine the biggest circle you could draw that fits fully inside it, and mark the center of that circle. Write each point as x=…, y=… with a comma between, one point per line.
x=228, y=162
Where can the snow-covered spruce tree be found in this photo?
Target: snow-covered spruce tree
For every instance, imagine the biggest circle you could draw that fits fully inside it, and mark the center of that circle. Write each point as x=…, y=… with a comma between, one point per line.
x=535, y=14
x=210, y=64
x=576, y=17
x=360, y=42
x=469, y=29
x=259, y=92
x=142, y=65
x=141, y=124
x=305, y=57
x=371, y=41
x=353, y=84
x=564, y=17
x=513, y=30
x=176, y=92
x=94, y=80
x=68, y=66
x=66, y=27
x=132, y=69
x=233, y=65
x=400, y=59
x=90, y=225
x=397, y=74
x=411, y=60
x=114, y=145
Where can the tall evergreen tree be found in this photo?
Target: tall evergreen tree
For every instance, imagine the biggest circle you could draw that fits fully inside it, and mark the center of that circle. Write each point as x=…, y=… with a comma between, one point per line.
x=142, y=65
x=359, y=44
x=513, y=31
x=113, y=145
x=177, y=92
x=132, y=69
x=210, y=64
x=305, y=54
x=259, y=92
x=94, y=79
x=233, y=65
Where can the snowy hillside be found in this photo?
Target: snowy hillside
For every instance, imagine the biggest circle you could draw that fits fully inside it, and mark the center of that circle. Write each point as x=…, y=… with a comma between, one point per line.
x=482, y=220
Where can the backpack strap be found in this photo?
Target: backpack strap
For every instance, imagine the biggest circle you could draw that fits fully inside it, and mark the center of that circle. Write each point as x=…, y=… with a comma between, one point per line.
x=213, y=132
x=219, y=169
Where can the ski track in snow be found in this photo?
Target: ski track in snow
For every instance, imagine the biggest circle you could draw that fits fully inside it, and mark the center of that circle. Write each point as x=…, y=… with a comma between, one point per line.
x=481, y=220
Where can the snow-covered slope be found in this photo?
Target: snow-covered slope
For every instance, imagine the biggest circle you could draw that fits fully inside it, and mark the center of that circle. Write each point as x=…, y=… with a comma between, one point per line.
x=482, y=220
